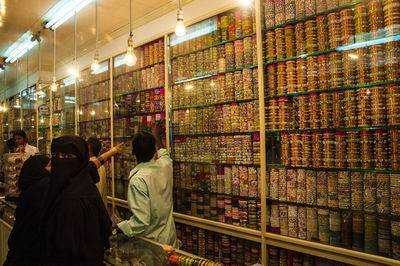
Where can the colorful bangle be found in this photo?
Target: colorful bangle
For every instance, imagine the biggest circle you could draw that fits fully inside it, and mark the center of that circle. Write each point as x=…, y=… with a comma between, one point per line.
x=101, y=160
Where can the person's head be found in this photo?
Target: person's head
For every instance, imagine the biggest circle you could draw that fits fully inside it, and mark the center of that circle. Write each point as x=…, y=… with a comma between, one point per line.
x=143, y=146
x=11, y=145
x=20, y=138
x=69, y=154
x=94, y=146
x=33, y=170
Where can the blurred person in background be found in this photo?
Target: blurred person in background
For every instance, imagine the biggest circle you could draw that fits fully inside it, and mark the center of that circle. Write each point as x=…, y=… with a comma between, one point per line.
x=150, y=190
x=21, y=140
x=24, y=240
x=94, y=151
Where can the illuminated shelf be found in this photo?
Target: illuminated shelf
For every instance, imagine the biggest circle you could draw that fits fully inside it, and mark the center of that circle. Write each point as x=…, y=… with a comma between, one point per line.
x=331, y=208
x=94, y=120
x=215, y=104
x=64, y=125
x=369, y=128
x=136, y=92
x=373, y=84
x=215, y=193
x=335, y=169
x=230, y=164
x=315, y=15
x=137, y=69
x=94, y=83
x=212, y=75
x=213, y=45
x=138, y=114
x=95, y=101
x=216, y=134
x=341, y=48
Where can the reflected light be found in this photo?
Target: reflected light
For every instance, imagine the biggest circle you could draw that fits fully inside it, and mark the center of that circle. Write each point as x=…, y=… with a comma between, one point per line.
x=246, y=2
x=353, y=56
x=2, y=7
x=368, y=92
x=189, y=87
x=93, y=112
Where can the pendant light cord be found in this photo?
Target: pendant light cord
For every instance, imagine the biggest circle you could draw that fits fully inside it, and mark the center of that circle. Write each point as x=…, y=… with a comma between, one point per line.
x=97, y=29
x=75, y=38
x=40, y=67
x=130, y=17
x=27, y=70
x=16, y=79
x=180, y=4
x=54, y=55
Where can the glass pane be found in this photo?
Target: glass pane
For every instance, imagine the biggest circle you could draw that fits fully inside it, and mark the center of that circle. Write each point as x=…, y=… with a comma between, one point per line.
x=138, y=104
x=215, y=120
x=43, y=101
x=64, y=108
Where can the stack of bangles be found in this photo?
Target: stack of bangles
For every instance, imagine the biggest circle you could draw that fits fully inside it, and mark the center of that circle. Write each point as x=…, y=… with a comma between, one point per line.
x=176, y=260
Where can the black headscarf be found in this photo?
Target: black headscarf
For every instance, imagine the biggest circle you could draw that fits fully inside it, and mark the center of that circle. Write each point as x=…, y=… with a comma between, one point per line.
x=76, y=224
x=24, y=240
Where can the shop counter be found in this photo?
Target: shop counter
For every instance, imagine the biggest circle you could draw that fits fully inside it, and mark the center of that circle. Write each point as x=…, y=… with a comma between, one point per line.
x=122, y=251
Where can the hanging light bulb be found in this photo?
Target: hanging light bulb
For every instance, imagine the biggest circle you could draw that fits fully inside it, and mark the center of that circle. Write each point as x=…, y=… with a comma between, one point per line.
x=4, y=107
x=95, y=65
x=39, y=87
x=180, y=28
x=41, y=120
x=74, y=69
x=54, y=85
x=17, y=105
x=130, y=57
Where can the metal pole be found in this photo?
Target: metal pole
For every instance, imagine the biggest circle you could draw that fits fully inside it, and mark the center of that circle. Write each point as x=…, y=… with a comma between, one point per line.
x=111, y=92
x=167, y=94
x=263, y=155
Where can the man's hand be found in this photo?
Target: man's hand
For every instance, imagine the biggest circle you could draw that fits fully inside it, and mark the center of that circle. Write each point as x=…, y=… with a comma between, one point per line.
x=116, y=150
x=157, y=130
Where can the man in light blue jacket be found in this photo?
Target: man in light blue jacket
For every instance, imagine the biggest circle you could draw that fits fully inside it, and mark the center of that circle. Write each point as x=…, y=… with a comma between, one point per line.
x=150, y=191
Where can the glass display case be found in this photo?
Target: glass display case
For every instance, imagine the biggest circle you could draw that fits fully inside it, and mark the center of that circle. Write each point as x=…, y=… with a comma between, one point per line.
x=94, y=108
x=63, y=101
x=44, y=135
x=4, y=123
x=14, y=114
x=215, y=119
x=332, y=113
x=138, y=104
x=29, y=114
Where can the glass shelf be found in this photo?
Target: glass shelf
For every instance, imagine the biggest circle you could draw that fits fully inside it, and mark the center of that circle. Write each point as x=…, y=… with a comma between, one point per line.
x=269, y=166
x=315, y=15
x=94, y=83
x=332, y=208
x=133, y=114
x=217, y=134
x=216, y=193
x=341, y=48
x=212, y=75
x=136, y=92
x=335, y=129
x=138, y=69
x=94, y=120
x=231, y=164
x=215, y=104
x=336, y=89
x=220, y=43
x=95, y=101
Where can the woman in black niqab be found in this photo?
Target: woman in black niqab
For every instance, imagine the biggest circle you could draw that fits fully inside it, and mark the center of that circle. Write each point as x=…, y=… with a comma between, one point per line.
x=24, y=241
x=76, y=225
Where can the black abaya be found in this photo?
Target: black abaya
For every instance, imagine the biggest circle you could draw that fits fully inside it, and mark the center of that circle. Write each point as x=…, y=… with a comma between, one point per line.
x=76, y=225
x=24, y=241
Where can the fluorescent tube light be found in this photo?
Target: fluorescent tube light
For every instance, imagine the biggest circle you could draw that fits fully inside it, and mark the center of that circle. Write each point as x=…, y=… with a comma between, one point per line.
x=63, y=11
x=369, y=43
x=20, y=47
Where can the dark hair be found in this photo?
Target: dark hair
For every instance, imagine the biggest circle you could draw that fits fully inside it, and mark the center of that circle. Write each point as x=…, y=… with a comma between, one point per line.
x=143, y=146
x=11, y=144
x=94, y=146
x=20, y=133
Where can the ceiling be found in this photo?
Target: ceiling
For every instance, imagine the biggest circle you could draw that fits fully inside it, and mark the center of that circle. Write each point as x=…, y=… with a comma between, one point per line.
x=23, y=15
